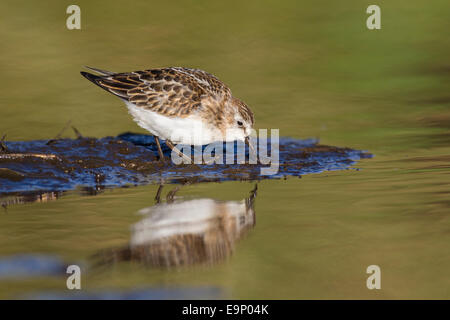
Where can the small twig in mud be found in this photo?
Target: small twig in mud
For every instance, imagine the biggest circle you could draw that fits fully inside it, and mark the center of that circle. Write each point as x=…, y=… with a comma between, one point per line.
x=49, y=142
x=12, y=175
x=30, y=155
x=3, y=147
x=78, y=134
x=58, y=136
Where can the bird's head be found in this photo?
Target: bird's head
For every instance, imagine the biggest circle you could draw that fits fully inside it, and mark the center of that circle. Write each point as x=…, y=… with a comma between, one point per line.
x=239, y=122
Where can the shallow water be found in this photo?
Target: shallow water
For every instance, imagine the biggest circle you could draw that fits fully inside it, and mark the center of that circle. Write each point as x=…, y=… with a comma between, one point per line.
x=313, y=71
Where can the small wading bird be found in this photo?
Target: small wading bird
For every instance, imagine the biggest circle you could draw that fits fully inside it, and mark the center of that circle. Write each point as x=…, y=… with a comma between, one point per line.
x=173, y=103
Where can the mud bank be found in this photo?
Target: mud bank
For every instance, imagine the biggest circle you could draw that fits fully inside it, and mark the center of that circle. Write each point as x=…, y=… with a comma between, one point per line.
x=132, y=159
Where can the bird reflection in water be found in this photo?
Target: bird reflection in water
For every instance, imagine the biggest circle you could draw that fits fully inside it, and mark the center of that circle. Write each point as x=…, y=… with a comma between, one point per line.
x=179, y=232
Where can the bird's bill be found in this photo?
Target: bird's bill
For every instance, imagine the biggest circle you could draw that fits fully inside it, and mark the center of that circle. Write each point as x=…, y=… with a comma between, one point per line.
x=247, y=142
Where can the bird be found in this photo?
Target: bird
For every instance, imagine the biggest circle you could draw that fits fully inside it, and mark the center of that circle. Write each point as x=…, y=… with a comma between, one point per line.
x=179, y=105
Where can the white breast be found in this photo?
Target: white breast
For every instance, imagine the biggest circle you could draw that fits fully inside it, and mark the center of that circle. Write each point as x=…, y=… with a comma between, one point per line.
x=191, y=130
x=196, y=216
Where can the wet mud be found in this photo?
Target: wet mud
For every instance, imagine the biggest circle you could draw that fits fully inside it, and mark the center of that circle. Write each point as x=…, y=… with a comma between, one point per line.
x=35, y=167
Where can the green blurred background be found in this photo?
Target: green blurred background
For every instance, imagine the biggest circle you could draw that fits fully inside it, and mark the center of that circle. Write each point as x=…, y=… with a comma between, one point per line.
x=309, y=68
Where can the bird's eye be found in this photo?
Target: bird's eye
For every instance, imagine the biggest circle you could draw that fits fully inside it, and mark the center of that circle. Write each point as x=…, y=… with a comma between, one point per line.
x=240, y=124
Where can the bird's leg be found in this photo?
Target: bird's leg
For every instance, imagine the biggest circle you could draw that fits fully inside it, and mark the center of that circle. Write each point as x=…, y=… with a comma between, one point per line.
x=161, y=155
x=251, y=149
x=181, y=154
x=171, y=194
x=250, y=201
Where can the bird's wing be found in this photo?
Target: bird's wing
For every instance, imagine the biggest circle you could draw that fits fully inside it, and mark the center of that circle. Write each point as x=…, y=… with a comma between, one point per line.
x=207, y=81
x=100, y=71
x=168, y=91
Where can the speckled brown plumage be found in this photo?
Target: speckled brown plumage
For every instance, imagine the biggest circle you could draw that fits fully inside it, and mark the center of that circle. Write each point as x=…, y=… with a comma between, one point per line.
x=173, y=92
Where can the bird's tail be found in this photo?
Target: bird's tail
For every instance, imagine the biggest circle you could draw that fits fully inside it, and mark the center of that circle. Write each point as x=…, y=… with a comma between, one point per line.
x=107, y=81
